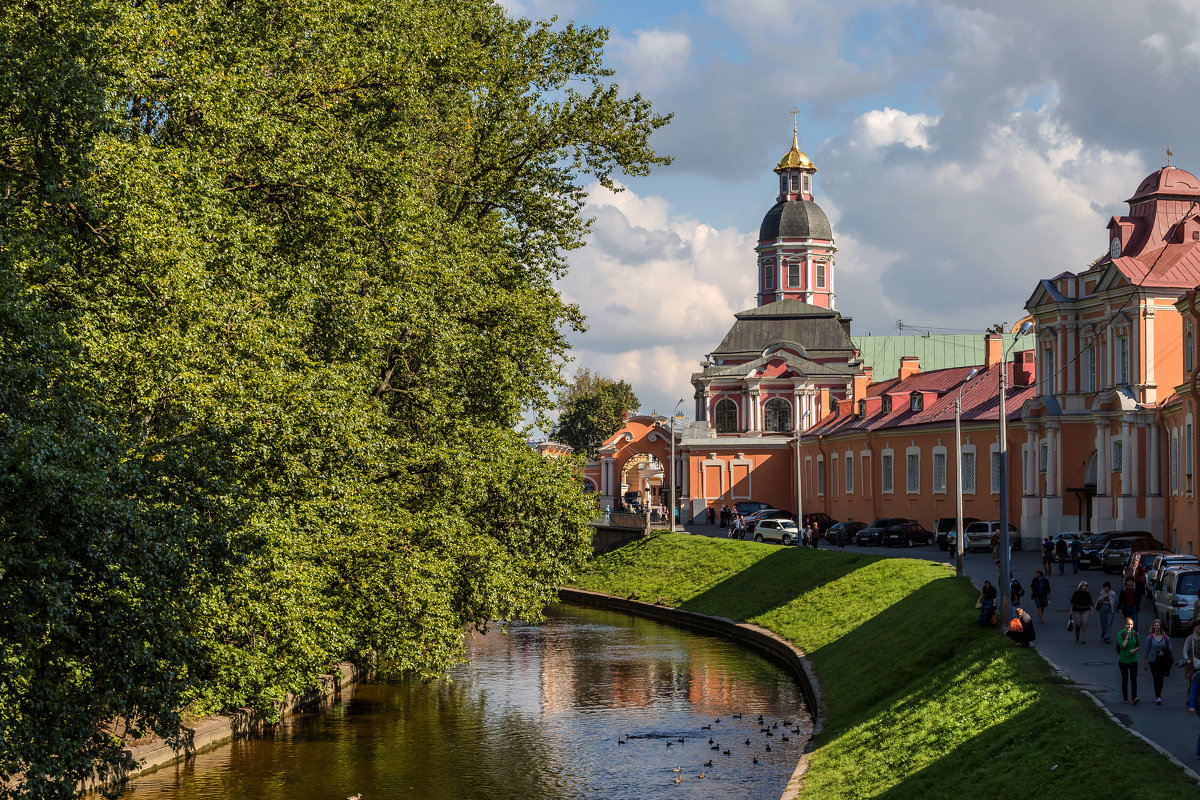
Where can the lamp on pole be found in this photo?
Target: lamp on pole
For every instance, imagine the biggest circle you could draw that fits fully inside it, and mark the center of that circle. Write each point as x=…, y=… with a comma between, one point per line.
x=1005, y=599
x=674, y=510
x=958, y=530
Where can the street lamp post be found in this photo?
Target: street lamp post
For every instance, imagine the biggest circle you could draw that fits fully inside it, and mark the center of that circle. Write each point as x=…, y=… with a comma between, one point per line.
x=1005, y=567
x=958, y=530
x=674, y=510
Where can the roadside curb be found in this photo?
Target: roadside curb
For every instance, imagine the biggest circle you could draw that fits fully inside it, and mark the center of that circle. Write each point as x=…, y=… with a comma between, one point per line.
x=755, y=637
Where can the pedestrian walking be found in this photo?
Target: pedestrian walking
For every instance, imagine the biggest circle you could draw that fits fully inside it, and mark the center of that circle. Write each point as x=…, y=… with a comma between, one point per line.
x=1127, y=658
x=1062, y=552
x=712, y=515
x=1047, y=553
x=1039, y=590
x=1015, y=591
x=986, y=604
x=1076, y=555
x=814, y=538
x=1081, y=611
x=1191, y=667
x=1130, y=601
x=996, y=548
x=1106, y=603
x=1157, y=658
x=841, y=537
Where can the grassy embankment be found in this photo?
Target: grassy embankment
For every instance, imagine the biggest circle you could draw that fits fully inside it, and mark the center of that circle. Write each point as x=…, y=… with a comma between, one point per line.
x=921, y=702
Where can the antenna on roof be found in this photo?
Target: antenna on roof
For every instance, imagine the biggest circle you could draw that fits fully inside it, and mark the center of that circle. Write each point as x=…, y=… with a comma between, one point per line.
x=1170, y=153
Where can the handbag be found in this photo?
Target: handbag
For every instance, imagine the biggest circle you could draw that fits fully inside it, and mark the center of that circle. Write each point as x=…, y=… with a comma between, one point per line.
x=979, y=602
x=1070, y=624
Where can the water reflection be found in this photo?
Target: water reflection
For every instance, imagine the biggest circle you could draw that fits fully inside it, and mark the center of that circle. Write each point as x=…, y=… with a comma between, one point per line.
x=590, y=704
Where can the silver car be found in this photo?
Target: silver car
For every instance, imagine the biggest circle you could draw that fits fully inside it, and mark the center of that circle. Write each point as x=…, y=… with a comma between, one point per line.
x=783, y=531
x=1175, y=598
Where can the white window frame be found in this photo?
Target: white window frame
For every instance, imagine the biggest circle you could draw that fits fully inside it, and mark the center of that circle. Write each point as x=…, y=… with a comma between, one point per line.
x=1047, y=381
x=805, y=183
x=1122, y=360
x=1174, y=460
x=848, y=461
x=1089, y=367
x=794, y=270
x=821, y=276
x=939, y=453
x=1118, y=454
x=864, y=466
x=1043, y=456
x=768, y=275
x=1189, y=342
x=794, y=184
x=1189, y=447
x=970, y=478
x=994, y=467
x=887, y=471
x=912, y=470
x=821, y=476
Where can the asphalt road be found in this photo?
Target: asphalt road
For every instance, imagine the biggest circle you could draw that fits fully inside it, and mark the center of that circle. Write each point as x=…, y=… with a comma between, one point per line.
x=1093, y=666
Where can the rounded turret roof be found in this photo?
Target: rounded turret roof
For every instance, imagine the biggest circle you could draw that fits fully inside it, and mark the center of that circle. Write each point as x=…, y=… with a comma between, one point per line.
x=1168, y=180
x=795, y=219
x=795, y=158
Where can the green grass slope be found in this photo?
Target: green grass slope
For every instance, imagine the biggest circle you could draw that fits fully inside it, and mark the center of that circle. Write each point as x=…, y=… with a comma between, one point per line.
x=921, y=703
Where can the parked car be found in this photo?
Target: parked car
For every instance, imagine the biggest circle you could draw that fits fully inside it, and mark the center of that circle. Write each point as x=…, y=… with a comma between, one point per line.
x=744, y=507
x=850, y=527
x=907, y=533
x=765, y=513
x=873, y=533
x=1068, y=536
x=1141, y=559
x=1162, y=563
x=822, y=520
x=783, y=531
x=1116, y=553
x=978, y=535
x=1093, y=546
x=946, y=529
x=1175, y=599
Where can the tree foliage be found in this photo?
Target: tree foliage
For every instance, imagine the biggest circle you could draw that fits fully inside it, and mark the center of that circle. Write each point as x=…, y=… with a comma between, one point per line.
x=592, y=408
x=276, y=284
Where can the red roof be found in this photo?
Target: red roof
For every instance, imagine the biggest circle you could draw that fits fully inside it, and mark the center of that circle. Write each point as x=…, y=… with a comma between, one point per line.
x=980, y=401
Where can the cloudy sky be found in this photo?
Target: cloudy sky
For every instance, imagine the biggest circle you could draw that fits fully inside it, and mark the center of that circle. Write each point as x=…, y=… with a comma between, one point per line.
x=964, y=151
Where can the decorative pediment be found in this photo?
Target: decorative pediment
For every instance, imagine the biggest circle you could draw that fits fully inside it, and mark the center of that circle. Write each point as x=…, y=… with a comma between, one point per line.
x=1045, y=294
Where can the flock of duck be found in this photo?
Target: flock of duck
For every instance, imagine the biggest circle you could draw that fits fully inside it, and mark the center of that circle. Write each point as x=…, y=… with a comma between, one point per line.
x=766, y=728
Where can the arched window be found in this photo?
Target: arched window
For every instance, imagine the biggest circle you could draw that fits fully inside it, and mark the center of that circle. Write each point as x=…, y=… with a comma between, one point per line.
x=725, y=416
x=778, y=415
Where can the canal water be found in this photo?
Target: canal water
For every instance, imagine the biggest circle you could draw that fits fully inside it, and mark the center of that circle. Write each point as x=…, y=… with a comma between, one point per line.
x=590, y=704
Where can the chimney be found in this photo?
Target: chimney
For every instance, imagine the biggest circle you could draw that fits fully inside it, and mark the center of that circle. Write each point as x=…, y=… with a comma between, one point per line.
x=993, y=350
x=909, y=366
x=862, y=380
x=1023, y=369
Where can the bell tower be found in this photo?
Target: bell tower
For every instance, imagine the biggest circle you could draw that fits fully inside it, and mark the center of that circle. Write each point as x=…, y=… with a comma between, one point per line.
x=795, y=242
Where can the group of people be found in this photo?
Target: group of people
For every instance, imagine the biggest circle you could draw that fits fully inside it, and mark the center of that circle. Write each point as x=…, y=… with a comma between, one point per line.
x=1063, y=551
x=1154, y=652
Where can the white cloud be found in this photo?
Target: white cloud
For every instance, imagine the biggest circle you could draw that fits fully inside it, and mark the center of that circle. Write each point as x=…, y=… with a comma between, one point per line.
x=657, y=57
x=880, y=128
x=659, y=289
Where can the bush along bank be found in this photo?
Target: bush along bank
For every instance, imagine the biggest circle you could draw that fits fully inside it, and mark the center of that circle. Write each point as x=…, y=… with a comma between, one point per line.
x=921, y=702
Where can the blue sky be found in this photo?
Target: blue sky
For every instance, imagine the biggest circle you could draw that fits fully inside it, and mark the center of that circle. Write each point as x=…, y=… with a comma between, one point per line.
x=964, y=151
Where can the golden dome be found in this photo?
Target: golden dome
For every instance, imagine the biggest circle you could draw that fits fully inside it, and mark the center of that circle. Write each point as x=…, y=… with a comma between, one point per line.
x=795, y=158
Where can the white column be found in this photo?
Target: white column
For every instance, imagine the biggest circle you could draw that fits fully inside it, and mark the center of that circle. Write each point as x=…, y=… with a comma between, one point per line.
x=1134, y=460
x=1051, y=461
x=1153, y=459
x=1102, y=472
x=1068, y=357
x=1126, y=460
x=1061, y=362
x=797, y=409
x=1148, y=349
x=810, y=284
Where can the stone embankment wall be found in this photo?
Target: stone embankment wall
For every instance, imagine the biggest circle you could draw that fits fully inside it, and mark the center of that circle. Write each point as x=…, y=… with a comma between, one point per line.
x=764, y=641
x=211, y=732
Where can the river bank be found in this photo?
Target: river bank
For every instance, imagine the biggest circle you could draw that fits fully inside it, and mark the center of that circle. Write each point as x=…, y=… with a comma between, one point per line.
x=920, y=702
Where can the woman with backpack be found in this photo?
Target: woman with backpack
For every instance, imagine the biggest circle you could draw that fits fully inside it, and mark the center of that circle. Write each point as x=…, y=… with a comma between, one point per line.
x=1157, y=658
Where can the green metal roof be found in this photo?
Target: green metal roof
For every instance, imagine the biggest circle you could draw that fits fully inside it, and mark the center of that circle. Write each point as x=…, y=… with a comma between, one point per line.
x=934, y=351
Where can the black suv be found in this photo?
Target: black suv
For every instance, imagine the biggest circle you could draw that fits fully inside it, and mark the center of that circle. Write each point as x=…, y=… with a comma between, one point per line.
x=873, y=533
x=907, y=533
x=946, y=529
x=822, y=520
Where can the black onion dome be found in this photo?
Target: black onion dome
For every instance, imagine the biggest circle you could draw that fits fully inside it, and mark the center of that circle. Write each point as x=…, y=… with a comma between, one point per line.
x=795, y=219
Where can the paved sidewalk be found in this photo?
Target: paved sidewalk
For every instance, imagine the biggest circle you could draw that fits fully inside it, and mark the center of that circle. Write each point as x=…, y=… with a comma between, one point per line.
x=1093, y=666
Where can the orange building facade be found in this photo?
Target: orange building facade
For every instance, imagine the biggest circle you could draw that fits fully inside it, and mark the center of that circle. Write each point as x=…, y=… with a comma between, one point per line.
x=1100, y=413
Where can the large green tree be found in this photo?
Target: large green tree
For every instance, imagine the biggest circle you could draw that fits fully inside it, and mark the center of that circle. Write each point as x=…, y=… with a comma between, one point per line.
x=277, y=286
x=592, y=408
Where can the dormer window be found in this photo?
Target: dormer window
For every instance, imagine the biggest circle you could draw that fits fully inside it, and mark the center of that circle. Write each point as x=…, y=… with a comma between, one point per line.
x=916, y=402
x=887, y=404
x=862, y=408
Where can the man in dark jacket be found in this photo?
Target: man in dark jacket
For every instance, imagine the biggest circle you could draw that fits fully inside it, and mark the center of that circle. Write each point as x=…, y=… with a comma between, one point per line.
x=1063, y=553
